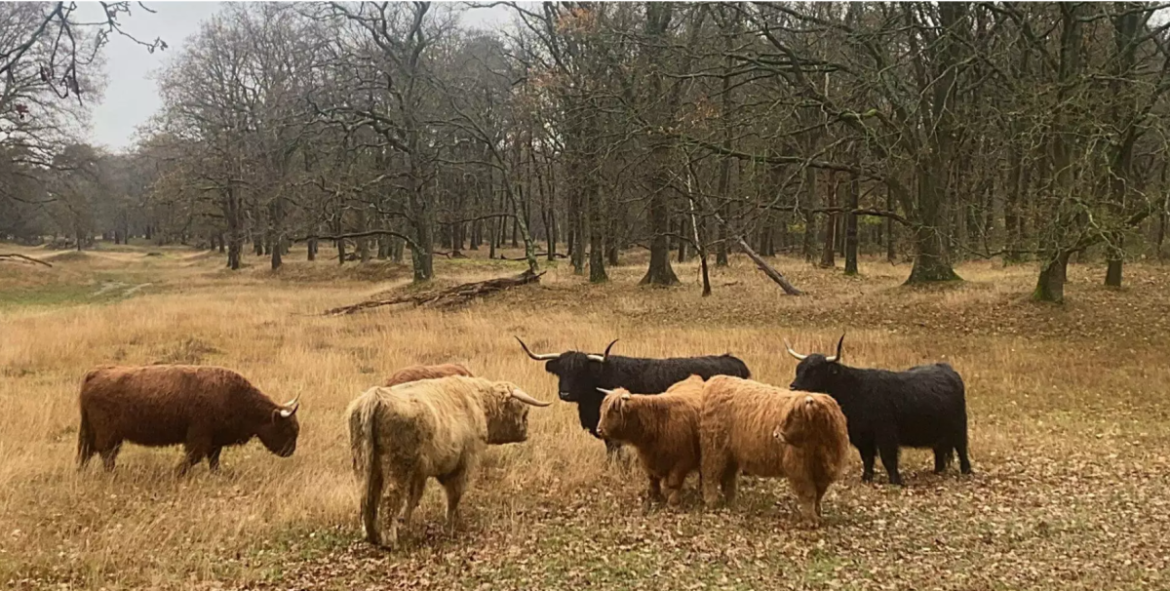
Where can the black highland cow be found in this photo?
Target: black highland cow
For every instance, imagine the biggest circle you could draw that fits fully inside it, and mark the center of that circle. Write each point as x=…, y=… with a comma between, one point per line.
x=581, y=374
x=924, y=407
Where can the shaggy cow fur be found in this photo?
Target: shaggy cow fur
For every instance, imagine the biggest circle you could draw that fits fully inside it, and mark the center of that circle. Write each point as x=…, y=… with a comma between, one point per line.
x=432, y=428
x=663, y=428
x=770, y=432
x=203, y=408
x=580, y=375
x=415, y=373
x=923, y=407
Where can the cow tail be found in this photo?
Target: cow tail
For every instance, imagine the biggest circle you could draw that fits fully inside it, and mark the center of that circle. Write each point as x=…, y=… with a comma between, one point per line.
x=85, y=440
x=368, y=465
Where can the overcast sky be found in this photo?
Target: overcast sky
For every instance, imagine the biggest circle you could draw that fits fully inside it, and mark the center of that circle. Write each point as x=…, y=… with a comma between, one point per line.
x=131, y=95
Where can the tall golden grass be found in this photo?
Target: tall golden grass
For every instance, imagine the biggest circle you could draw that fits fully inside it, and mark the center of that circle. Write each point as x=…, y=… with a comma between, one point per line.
x=142, y=527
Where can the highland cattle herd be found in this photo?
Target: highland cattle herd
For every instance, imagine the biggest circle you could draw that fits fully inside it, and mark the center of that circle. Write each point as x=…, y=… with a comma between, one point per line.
x=681, y=415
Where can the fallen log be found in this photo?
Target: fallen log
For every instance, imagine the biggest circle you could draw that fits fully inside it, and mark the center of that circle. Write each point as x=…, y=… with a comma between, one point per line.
x=21, y=257
x=452, y=296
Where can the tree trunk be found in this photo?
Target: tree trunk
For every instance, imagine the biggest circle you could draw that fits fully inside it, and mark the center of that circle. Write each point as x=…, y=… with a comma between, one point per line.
x=1050, y=287
x=397, y=249
x=552, y=235
x=277, y=251
x=851, y=225
x=597, y=221
x=1113, y=273
x=700, y=244
x=422, y=253
x=312, y=249
x=657, y=23
x=808, y=245
x=1162, y=219
x=930, y=259
x=891, y=236
x=682, y=244
x=233, y=211
x=830, y=227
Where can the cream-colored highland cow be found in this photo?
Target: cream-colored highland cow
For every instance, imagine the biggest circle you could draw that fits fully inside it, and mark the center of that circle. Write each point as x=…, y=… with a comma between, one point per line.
x=664, y=428
x=746, y=426
x=404, y=435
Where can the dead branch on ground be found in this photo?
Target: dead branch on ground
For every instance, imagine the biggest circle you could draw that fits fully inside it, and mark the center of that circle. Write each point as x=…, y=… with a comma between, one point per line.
x=452, y=296
x=21, y=257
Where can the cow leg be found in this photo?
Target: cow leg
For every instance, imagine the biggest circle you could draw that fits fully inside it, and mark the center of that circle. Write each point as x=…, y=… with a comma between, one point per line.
x=868, y=452
x=711, y=473
x=961, y=447
x=455, y=484
x=418, y=484
x=729, y=482
x=371, y=499
x=942, y=457
x=654, y=490
x=674, y=482
x=395, y=497
x=110, y=455
x=213, y=458
x=888, y=448
x=198, y=446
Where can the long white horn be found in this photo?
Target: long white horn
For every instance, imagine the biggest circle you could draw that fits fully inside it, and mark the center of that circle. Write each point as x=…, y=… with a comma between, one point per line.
x=541, y=357
x=604, y=391
x=601, y=358
x=798, y=356
x=290, y=407
x=837, y=357
x=522, y=396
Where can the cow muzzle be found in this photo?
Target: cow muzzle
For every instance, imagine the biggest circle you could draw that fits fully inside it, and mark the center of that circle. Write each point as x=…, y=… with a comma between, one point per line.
x=565, y=396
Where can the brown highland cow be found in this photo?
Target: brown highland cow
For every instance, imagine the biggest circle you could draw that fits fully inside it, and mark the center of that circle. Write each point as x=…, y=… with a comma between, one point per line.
x=432, y=428
x=415, y=373
x=746, y=426
x=664, y=428
x=203, y=408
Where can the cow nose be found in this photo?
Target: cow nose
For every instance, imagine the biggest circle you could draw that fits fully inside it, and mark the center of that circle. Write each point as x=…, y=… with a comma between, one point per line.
x=563, y=395
x=792, y=386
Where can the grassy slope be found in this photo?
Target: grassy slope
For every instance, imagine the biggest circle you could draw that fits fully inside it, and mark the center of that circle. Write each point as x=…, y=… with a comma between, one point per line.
x=1069, y=430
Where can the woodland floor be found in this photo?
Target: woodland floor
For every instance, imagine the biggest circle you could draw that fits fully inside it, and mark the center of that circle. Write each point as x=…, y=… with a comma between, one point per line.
x=1070, y=429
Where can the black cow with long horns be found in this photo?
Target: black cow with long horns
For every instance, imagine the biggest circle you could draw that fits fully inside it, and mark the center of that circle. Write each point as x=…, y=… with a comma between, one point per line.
x=923, y=407
x=581, y=374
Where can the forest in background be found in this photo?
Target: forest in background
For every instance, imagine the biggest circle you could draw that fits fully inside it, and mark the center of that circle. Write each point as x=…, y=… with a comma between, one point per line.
x=933, y=133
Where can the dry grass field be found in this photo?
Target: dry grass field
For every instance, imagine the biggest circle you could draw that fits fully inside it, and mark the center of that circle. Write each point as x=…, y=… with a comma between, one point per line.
x=1069, y=406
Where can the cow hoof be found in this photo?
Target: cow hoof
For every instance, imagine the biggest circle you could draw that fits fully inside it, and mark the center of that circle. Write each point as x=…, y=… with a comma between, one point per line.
x=867, y=477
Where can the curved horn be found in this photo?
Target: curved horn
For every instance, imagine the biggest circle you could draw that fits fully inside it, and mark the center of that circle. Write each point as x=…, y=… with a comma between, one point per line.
x=798, y=356
x=520, y=395
x=604, y=391
x=837, y=357
x=290, y=407
x=601, y=358
x=541, y=357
